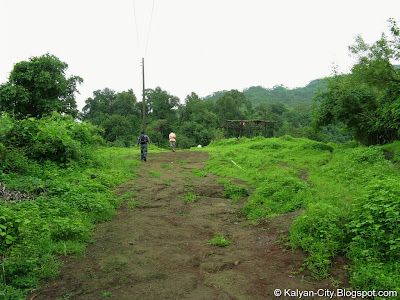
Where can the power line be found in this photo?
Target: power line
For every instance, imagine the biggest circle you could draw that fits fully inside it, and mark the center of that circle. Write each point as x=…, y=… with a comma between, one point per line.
x=137, y=30
x=148, y=33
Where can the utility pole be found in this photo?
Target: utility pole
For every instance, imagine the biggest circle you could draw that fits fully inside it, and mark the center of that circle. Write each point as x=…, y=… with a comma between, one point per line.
x=144, y=103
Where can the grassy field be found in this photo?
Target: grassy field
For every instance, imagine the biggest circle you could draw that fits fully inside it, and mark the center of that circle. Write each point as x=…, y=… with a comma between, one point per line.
x=350, y=196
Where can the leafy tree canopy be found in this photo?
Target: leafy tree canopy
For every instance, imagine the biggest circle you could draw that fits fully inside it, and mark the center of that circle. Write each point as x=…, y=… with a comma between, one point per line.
x=161, y=103
x=366, y=101
x=232, y=105
x=38, y=87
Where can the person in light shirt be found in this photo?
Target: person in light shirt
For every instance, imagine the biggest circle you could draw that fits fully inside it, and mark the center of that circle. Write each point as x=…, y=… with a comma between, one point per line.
x=172, y=141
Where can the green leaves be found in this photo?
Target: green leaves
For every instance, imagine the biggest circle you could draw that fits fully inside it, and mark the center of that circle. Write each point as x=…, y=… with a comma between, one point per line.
x=38, y=87
x=57, y=138
x=219, y=240
x=364, y=99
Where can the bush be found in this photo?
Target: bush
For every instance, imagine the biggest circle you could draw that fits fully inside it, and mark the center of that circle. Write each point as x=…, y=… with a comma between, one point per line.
x=277, y=194
x=320, y=230
x=66, y=182
x=234, y=191
x=375, y=236
x=56, y=138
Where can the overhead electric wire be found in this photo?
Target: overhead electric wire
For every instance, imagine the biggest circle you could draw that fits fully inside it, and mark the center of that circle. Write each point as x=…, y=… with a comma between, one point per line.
x=137, y=28
x=148, y=33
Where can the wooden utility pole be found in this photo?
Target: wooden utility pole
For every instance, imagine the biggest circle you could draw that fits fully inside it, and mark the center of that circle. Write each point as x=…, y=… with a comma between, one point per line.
x=144, y=103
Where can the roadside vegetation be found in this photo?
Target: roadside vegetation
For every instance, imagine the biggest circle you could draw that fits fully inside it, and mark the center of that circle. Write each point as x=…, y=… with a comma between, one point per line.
x=56, y=185
x=350, y=196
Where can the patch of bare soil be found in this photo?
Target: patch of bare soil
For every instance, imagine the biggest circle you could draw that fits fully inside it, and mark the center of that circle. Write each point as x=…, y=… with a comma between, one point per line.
x=159, y=249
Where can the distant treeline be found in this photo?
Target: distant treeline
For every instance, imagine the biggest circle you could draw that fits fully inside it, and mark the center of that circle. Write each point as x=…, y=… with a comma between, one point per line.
x=199, y=120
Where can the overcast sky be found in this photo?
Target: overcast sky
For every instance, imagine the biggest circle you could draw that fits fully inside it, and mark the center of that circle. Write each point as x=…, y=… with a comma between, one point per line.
x=198, y=46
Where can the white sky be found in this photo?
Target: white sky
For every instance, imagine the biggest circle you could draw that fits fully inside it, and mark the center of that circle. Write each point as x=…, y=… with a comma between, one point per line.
x=198, y=46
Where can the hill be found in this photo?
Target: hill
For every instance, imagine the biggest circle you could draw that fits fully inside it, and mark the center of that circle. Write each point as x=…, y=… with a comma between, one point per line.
x=278, y=94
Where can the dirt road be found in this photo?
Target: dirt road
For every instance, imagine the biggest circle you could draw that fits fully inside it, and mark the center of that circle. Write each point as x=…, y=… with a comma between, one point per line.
x=159, y=249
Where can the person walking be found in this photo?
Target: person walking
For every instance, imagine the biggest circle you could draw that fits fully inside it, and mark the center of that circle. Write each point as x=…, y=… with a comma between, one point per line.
x=143, y=140
x=172, y=141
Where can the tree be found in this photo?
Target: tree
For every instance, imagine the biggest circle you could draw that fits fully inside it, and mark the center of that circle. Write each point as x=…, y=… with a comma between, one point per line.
x=162, y=111
x=125, y=104
x=161, y=104
x=98, y=107
x=366, y=101
x=38, y=87
x=116, y=113
x=233, y=105
x=197, y=123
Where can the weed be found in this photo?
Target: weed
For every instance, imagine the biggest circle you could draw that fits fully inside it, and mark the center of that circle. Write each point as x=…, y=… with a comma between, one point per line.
x=132, y=203
x=219, y=240
x=190, y=196
x=154, y=173
x=167, y=167
x=168, y=182
x=233, y=191
x=106, y=295
x=114, y=263
x=199, y=173
x=182, y=214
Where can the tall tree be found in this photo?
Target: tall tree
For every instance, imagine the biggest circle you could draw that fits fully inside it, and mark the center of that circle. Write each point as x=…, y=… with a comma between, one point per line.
x=366, y=101
x=161, y=104
x=198, y=122
x=233, y=105
x=98, y=107
x=162, y=110
x=125, y=104
x=38, y=87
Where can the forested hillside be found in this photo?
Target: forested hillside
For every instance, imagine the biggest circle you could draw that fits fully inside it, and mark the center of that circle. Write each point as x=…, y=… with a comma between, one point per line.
x=278, y=94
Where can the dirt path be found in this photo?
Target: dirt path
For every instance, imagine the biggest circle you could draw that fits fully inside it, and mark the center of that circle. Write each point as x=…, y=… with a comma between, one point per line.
x=159, y=250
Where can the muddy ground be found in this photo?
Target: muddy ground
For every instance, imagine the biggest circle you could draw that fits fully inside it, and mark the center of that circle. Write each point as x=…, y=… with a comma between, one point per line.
x=159, y=249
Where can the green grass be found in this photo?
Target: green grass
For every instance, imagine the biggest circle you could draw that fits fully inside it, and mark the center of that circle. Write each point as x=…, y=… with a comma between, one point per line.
x=233, y=191
x=219, y=240
x=106, y=295
x=190, y=196
x=154, y=173
x=72, y=199
x=167, y=167
x=350, y=196
x=199, y=173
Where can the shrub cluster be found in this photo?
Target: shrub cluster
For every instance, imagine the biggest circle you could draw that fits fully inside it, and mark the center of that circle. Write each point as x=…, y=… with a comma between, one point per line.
x=67, y=181
x=56, y=138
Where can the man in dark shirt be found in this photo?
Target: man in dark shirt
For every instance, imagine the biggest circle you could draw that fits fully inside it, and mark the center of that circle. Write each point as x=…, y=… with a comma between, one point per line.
x=143, y=140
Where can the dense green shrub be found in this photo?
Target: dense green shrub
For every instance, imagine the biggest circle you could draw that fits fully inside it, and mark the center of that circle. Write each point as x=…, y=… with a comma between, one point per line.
x=63, y=182
x=320, y=231
x=234, y=191
x=57, y=138
x=375, y=236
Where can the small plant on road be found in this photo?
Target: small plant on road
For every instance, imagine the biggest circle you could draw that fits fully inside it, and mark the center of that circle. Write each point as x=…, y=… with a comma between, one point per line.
x=190, y=196
x=219, y=240
x=106, y=295
x=154, y=173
